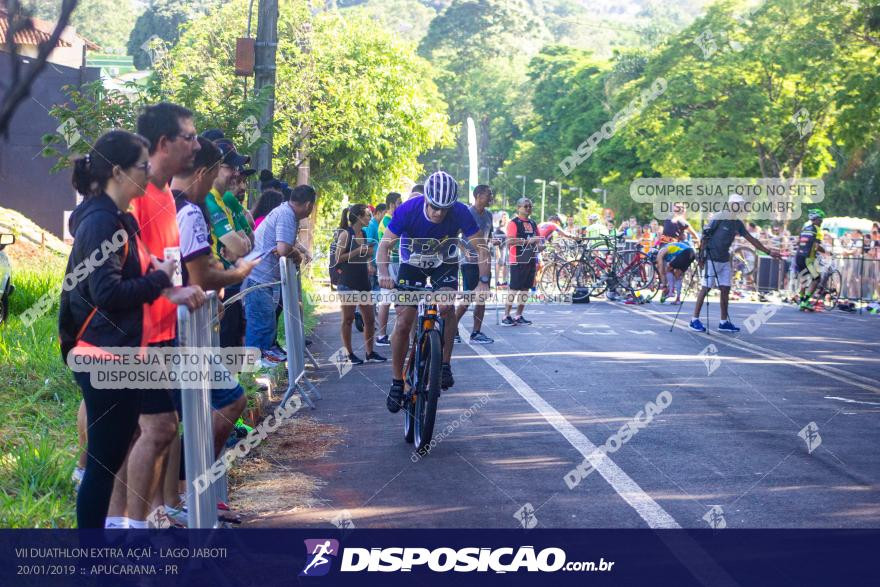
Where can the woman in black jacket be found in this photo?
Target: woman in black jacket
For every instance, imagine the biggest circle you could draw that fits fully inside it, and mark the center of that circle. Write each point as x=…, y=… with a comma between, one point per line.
x=108, y=281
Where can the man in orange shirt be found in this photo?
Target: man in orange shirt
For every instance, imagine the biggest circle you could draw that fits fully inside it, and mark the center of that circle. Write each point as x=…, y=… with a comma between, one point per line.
x=173, y=145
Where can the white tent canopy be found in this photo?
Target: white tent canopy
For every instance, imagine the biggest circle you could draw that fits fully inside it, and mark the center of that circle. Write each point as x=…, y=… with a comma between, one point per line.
x=840, y=225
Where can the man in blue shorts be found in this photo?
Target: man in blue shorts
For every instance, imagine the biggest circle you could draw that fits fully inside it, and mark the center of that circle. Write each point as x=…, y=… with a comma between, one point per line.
x=425, y=226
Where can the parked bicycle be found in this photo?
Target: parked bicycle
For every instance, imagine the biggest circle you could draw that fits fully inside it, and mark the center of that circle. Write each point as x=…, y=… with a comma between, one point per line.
x=601, y=267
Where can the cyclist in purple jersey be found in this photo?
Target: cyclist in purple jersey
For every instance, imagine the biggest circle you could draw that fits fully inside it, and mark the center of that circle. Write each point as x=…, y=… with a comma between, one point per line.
x=427, y=227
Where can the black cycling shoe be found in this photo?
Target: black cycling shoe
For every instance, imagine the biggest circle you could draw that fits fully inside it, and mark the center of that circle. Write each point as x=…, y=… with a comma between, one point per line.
x=446, y=380
x=395, y=397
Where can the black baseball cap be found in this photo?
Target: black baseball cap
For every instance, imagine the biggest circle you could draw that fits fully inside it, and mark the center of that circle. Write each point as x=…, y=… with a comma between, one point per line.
x=231, y=156
x=213, y=134
x=246, y=172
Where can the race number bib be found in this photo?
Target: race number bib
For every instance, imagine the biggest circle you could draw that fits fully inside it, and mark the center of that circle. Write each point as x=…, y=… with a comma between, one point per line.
x=429, y=253
x=425, y=261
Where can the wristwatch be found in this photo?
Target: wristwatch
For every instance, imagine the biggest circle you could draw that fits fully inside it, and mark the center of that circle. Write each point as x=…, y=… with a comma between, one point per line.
x=484, y=279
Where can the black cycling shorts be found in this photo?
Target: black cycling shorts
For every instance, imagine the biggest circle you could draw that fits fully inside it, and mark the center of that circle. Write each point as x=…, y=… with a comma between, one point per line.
x=410, y=278
x=683, y=260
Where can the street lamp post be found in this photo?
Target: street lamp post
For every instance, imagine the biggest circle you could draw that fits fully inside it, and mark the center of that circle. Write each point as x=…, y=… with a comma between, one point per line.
x=504, y=195
x=604, y=193
x=580, y=191
x=558, y=196
x=523, y=177
x=543, y=183
x=436, y=163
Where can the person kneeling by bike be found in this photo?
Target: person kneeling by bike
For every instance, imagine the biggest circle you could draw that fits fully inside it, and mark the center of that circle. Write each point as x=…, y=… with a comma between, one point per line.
x=424, y=224
x=673, y=261
x=809, y=244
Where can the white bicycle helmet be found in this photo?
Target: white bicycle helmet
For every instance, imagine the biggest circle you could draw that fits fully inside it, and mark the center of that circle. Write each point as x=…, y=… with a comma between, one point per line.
x=441, y=190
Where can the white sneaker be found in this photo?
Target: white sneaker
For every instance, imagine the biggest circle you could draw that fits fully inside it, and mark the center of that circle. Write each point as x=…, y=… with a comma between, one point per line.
x=77, y=477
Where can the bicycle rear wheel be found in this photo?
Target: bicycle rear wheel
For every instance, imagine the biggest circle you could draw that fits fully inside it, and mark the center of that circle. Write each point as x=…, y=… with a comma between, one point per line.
x=642, y=278
x=833, y=284
x=427, y=390
x=578, y=274
x=547, y=283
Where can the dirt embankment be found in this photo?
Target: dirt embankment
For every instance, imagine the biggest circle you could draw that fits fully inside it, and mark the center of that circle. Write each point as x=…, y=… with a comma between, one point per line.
x=34, y=247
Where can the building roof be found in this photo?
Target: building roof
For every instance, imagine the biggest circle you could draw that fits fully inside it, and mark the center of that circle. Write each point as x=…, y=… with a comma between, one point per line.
x=31, y=36
x=40, y=32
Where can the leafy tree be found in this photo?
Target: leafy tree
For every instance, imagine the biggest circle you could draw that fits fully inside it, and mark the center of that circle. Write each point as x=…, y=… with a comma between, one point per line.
x=162, y=20
x=481, y=48
x=104, y=22
x=360, y=103
x=407, y=18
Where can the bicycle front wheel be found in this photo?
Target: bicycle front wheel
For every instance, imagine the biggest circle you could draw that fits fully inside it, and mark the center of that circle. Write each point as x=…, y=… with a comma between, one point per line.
x=409, y=406
x=744, y=261
x=428, y=390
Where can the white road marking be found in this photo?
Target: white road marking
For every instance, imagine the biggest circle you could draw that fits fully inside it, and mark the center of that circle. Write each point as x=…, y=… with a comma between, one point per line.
x=851, y=401
x=701, y=565
x=649, y=510
x=839, y=375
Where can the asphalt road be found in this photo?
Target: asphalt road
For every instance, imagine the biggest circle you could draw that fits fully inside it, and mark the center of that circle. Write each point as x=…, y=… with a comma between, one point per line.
x=722, y=449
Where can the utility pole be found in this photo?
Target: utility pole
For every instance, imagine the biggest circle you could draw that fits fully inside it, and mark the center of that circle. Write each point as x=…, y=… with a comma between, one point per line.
x=264, y=75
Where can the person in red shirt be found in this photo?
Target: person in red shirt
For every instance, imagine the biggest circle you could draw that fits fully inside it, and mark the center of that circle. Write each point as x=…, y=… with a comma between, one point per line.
x=173, y=144
x=546, y=230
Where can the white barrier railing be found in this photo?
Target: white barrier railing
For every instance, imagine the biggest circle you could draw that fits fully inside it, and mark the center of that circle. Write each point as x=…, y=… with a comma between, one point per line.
x=294, y=331
x=199, y=329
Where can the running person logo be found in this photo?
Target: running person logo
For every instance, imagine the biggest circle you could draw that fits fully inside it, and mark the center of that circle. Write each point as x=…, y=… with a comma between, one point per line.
x=810, y=435
x=320, y=553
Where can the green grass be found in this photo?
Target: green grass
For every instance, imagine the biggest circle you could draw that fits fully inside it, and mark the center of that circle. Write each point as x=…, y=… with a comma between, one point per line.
x=38, y=404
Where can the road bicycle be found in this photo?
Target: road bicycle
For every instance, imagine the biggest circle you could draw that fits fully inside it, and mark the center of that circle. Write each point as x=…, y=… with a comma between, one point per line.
x=830, y=283
x=551, y=261
x=743, y=263
x=422, y=377
x=602, y=267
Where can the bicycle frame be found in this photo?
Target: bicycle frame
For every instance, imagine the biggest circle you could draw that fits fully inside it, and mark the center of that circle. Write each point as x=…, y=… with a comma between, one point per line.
x=427, y=318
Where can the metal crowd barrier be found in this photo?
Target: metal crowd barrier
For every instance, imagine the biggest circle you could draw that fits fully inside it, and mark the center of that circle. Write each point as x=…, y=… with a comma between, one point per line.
x=860, y=276
x=199, y=329
x=294, y=331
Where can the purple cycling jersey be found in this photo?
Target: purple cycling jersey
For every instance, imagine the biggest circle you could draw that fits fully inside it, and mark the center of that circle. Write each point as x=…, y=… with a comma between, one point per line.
x=409, y=222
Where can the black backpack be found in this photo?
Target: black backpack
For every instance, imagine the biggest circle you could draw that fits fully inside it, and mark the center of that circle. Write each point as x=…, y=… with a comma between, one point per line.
x=332, y=269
